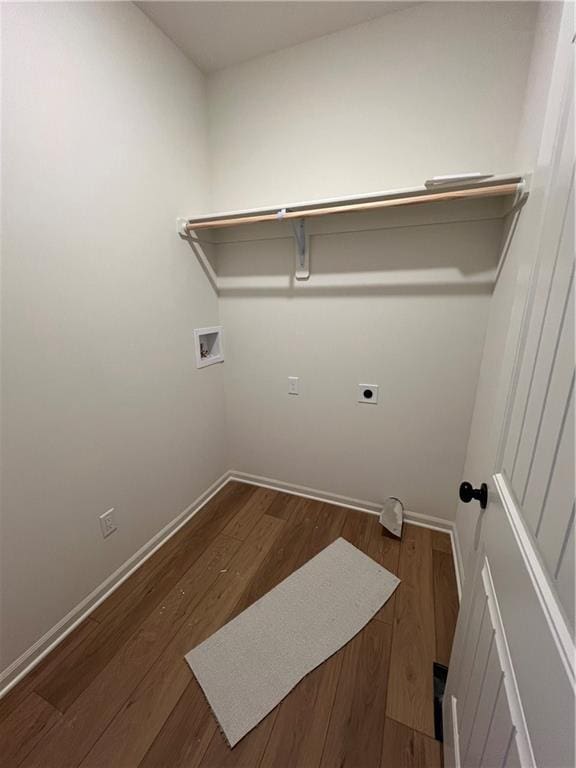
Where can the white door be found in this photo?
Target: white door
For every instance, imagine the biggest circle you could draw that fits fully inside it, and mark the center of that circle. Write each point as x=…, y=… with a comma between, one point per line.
x=509, y=698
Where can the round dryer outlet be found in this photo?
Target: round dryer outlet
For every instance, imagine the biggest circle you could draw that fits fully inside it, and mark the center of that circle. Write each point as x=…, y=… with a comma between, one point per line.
x=368, y=393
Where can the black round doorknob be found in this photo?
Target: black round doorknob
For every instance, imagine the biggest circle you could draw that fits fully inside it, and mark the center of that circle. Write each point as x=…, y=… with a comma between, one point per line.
x=467, y=493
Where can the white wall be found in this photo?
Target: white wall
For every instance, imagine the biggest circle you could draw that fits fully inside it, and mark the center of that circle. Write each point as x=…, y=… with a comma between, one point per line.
x=431, y=89
x=435, y=88
x=403, y=307
x=104, y=143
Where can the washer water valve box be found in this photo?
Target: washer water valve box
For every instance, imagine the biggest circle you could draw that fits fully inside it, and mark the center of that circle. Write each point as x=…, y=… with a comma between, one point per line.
x=209, y=347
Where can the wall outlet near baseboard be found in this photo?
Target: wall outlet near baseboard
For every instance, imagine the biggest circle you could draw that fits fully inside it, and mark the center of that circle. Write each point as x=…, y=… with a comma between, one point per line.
x=108, y=523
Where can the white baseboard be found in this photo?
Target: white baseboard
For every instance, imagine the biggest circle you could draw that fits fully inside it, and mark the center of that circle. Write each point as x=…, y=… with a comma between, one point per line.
x=42, y=647
x=307, y=493
x=415, y=518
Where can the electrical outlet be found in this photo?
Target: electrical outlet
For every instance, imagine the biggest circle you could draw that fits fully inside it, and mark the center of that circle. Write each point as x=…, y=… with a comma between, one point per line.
x=293, y=385
x=368, y=393
x=107, y=523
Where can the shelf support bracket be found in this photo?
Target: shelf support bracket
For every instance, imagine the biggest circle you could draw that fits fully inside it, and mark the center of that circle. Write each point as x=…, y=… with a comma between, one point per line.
x=196, y=244
x=302, y=271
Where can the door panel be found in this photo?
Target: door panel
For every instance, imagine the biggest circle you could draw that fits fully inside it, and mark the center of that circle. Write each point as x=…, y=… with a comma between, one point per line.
x=559, y=495
x=550, y=423
x=475, y=747
x=537, y=634
x=565, y=572
x=535, y=376
x=500, y=732
x=477, y=679
x=490, y=720
x=547, y=310
x=513, y=757
x=541, y=472
x=546, y=376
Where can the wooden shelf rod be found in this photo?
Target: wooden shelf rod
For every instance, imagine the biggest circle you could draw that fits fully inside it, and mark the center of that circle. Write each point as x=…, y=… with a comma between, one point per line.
x=414, y=198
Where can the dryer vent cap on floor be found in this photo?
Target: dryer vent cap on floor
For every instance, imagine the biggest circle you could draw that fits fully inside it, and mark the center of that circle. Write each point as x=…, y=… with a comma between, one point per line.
x=392, y=515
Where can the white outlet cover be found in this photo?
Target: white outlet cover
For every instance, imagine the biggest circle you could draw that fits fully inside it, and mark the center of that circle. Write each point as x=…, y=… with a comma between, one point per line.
x=107, y=523
x=293, y=385
x=368, y=393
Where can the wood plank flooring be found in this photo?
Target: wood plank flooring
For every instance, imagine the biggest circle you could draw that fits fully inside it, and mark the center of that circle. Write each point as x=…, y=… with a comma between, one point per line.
x=411, y=697
x=117, y=693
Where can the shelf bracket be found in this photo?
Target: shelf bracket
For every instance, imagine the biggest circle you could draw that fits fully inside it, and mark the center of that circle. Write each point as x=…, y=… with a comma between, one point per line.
x=302, y=271
x=196, y=244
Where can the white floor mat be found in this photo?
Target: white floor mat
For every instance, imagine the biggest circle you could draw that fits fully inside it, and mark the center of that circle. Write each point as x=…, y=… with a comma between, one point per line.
x=248, y=666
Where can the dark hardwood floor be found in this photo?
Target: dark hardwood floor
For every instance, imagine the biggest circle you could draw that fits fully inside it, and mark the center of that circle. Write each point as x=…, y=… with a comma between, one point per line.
x=117, y=693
